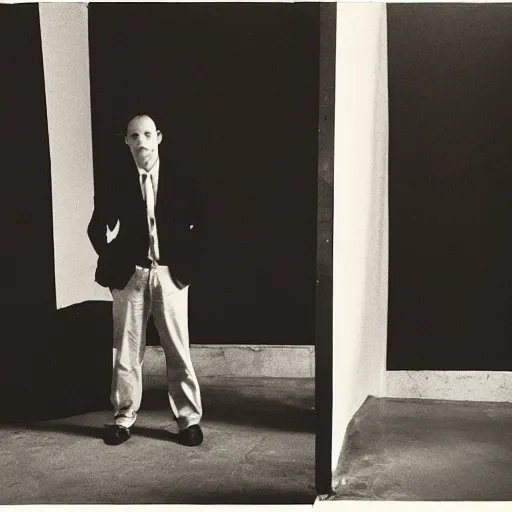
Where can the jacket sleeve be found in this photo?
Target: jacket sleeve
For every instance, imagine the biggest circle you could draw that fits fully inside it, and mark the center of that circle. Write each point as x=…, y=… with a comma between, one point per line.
x=196, y=206
x=199, y=222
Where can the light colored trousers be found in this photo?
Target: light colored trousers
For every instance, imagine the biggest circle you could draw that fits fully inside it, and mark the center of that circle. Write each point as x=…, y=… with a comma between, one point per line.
x=152, y=291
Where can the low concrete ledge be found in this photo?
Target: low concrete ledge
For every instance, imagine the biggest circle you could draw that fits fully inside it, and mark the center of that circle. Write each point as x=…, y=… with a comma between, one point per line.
x=285, y=361
x=476, y=386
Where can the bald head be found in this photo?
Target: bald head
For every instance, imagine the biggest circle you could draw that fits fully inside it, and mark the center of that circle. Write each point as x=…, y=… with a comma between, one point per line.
x=143, y=139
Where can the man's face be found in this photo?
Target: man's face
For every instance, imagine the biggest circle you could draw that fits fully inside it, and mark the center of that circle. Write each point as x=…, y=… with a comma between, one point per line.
x=143, y=139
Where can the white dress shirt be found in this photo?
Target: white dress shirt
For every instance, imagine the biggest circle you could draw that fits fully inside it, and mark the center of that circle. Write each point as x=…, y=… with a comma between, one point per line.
x=153, y=175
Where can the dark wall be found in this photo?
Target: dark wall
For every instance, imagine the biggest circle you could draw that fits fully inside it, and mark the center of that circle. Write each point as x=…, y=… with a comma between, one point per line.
x=26, y=223
x=26, y=258
x=450, y=70
x=234, y=89
x=48, y=356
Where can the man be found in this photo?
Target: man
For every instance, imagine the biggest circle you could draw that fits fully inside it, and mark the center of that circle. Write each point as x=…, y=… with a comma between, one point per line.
x=148, y=267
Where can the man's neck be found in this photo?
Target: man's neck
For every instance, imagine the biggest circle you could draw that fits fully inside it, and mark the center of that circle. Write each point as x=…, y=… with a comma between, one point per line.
x=149, y=168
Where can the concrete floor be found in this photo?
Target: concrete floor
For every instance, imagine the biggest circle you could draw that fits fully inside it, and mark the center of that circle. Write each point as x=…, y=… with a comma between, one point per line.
x=258, y=449
x=427, y=450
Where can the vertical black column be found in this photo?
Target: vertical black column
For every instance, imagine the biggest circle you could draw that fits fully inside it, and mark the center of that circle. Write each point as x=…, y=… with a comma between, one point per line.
x=26, y=221
x=27, y=298
x=324, y=313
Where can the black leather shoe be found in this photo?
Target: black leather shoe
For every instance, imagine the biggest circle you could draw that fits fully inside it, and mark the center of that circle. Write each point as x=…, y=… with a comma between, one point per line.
x=116, y=434
x=191, y=436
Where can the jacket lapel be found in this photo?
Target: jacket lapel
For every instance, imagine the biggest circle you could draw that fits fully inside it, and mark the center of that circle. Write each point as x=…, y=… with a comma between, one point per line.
x=162, y=196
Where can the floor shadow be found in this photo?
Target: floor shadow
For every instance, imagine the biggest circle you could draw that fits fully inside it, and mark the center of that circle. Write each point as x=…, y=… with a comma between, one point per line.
x=258, y=406
x=267, y=405
x=245, y=497
x=155, y=433
x=96, y=432
x=78, y=430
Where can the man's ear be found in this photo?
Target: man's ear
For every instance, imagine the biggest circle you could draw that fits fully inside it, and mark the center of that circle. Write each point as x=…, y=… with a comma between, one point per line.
x=159, y=136
x=126, y=140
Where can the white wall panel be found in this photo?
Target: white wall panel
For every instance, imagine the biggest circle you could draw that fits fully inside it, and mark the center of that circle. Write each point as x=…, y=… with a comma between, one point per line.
x=66, y=67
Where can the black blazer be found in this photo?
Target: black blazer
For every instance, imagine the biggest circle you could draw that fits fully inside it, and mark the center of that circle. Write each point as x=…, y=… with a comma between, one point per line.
x=178, y=218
